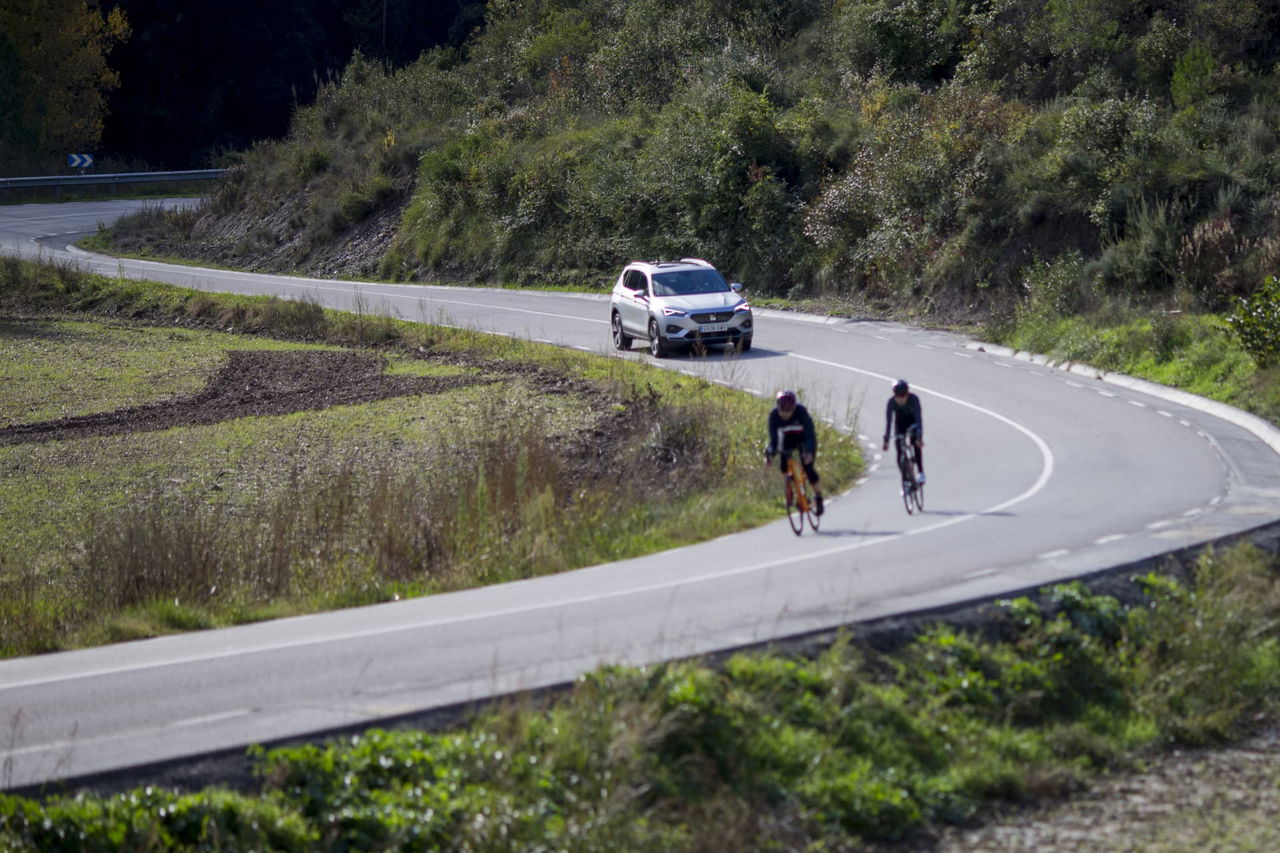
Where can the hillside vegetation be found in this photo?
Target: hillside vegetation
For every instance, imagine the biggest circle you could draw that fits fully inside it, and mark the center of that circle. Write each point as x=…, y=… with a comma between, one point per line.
x=951, y=157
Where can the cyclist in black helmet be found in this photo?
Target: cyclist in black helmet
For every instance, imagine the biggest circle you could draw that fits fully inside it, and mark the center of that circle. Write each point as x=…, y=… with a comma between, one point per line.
x=902, y=417
x=791, y=429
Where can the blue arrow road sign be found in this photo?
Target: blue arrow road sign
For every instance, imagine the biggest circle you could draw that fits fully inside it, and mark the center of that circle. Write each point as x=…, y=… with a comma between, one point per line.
x=79, y=161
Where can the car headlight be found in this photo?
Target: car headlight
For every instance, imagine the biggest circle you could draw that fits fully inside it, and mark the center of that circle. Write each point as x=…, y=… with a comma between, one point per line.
x=742, y=306
x=673, y=312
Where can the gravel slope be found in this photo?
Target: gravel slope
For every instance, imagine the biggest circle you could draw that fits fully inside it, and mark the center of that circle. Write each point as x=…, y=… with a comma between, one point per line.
x=1190, y=800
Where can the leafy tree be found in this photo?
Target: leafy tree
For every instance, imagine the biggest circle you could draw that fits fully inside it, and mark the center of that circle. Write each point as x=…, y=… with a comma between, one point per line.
x=56, y=53
x=1193, y=77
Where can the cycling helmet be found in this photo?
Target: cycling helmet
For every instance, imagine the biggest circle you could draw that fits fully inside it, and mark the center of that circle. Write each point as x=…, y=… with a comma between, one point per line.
x=786, y=399
x=901, y=387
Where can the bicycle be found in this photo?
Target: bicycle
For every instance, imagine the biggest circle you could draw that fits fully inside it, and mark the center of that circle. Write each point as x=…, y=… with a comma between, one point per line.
x=912, y=490
x=799, y=496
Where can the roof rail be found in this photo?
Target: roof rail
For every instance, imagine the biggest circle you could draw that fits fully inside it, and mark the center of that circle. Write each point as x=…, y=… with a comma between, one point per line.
x=698, y=261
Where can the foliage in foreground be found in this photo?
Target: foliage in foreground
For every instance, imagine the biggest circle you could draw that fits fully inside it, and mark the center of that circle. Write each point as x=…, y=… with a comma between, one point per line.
x=766, y=753
x=125, y=536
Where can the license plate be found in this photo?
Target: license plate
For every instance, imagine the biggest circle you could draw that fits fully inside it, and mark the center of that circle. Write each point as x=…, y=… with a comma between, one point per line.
x=713, y=327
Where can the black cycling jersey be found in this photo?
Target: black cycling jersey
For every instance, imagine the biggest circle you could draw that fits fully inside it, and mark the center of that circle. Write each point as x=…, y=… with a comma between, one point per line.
x=899, y=418
x=790, y=433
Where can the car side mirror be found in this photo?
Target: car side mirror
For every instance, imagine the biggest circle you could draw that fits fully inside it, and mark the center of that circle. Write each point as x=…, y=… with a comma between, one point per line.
x=736, y=287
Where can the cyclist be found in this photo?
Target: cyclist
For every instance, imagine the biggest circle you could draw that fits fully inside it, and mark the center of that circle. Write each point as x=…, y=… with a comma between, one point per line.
x=791, y=429
x=902, y=416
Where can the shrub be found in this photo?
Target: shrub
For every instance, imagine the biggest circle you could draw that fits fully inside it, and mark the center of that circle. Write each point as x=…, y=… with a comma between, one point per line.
x=1256, y=322
x=312, y=162
x=1192, y=77
x=1057, y=288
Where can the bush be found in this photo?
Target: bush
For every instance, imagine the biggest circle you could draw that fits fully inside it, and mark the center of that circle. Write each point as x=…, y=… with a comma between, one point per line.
x=1256, y=322
x=1057, y=288
x=1192, y=77
x=312, y=162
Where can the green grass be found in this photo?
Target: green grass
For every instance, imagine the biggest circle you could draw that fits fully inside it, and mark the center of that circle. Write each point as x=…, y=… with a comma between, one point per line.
x=1193, y=352
x=766, y=752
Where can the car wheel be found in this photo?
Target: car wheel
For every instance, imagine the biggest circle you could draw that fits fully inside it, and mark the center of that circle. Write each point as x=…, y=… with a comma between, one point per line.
x=744, y=344
x=657, y=347
x=621, y=340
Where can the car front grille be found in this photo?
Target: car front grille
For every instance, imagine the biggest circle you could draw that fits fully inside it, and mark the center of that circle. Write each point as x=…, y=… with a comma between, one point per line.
x=714, y=317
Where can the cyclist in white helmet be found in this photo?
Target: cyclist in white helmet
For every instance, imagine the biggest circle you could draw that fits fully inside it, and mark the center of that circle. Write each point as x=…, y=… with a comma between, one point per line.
x=791, y=429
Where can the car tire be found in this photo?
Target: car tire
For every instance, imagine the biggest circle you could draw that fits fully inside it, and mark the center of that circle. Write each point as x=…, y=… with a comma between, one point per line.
x=657, y=346
x=621, y=340
x=744, y=344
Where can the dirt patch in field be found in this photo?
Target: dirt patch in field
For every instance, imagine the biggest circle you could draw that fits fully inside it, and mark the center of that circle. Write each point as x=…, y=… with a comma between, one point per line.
x=254, y=383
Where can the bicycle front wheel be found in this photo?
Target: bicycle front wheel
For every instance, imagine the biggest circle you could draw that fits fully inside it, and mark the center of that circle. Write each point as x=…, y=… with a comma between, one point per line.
x=810, y=504
x=907, y=477
x=794, y=514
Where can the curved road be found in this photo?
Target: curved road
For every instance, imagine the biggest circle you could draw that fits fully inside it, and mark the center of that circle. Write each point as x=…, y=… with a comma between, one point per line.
x=1036, y=474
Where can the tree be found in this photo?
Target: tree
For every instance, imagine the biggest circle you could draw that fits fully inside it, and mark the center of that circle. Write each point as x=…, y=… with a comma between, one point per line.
x=55, y=51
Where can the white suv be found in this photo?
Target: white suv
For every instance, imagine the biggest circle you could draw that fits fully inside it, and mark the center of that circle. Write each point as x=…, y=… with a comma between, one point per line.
x=684, y=303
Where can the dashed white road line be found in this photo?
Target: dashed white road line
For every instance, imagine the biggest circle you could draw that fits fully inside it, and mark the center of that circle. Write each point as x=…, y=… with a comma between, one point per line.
x=980, y=573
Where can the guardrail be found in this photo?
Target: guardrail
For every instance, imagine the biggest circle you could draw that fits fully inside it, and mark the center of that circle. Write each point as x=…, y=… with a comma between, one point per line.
x=116, y=178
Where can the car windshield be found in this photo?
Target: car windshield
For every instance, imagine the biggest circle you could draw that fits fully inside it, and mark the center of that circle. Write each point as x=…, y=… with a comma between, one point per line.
x=687, y=282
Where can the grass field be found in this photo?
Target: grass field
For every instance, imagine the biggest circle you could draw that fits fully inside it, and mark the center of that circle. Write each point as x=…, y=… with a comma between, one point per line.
x=146, y=489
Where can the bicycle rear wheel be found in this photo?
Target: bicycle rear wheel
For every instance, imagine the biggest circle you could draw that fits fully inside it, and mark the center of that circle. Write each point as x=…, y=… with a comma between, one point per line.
x=913, y=468
x=794, y=514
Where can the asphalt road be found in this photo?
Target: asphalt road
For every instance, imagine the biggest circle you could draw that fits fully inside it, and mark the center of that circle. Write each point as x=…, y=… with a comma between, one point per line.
x=1036, y=473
